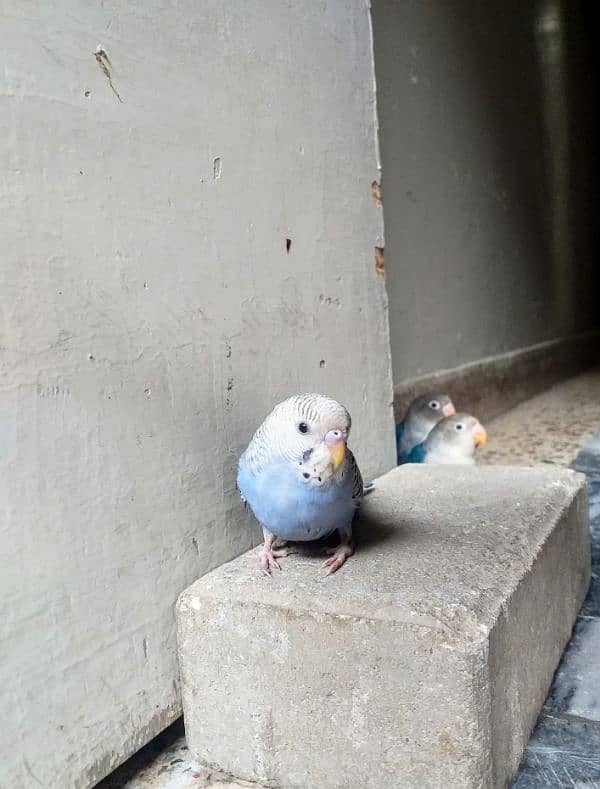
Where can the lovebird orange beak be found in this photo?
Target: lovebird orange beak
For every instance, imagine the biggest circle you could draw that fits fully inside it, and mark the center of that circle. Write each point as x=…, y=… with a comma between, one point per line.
x=480, y=436
x=449, y=409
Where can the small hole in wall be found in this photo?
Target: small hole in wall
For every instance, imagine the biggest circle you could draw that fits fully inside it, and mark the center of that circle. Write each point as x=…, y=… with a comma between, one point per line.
x=87, y=93
x=288, y=244
x=376, y=192
x=380, y=260
x=322, y=364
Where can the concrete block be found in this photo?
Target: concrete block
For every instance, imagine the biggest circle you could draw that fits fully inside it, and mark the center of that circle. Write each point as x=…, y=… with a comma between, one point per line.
x=422, y=663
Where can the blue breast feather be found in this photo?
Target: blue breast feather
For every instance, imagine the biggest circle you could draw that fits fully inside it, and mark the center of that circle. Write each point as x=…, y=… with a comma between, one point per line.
x=293, y=508
x=400, y=458
x=417, y=454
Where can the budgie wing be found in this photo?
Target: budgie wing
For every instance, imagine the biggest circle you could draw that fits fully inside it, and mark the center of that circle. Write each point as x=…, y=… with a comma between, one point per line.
x=357, y=480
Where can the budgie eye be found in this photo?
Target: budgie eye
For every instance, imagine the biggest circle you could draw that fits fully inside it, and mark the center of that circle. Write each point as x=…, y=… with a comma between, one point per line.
x=303, y=427
x=435, y=405
x=459, y=426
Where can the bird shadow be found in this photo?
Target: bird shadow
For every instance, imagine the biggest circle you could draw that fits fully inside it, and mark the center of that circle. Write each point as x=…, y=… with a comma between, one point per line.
x=367, y=532
x=370, y=531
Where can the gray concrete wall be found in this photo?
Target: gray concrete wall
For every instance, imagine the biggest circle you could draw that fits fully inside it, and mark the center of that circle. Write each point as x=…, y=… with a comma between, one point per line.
x=482, y=112
x=150, y=315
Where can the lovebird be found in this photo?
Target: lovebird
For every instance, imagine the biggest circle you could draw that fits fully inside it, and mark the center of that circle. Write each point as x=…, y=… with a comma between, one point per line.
x=300, y=479
x=452, y=441
x=421, y=417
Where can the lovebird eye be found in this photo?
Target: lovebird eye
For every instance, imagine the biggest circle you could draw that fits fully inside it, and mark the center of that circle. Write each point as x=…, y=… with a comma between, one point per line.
x=434, y=404
x=303, y=427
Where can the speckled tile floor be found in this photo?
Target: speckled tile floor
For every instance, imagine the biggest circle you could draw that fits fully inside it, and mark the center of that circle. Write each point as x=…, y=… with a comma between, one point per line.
x=565, y=747
x=550, y=428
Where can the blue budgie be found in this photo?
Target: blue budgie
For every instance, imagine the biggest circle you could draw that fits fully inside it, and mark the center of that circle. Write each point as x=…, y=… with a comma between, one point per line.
x=300, y=479
x=421, y=416
x=452, y=441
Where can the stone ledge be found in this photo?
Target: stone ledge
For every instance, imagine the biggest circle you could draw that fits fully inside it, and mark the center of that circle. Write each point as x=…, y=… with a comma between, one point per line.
x=423, y=662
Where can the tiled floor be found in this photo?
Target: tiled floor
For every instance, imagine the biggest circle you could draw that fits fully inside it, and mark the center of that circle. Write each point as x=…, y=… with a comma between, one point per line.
x=564, y=750
x=550, y=428
x=565, y=747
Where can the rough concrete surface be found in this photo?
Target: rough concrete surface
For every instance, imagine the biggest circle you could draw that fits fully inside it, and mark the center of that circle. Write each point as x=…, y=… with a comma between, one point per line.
x=151, y=313
x=407, y=667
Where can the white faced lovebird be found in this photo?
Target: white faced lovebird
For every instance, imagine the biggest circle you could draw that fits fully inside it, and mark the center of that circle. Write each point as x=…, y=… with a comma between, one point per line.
x=300, y=479
x=452, y=441
x=421, y=417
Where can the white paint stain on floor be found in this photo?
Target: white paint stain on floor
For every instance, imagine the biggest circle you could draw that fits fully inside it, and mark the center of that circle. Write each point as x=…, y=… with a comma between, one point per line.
x=166, y=764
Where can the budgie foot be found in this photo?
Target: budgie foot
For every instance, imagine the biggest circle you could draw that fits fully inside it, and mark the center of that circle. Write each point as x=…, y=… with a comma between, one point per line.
x=339, y=555
x=269, y=554
x=267, y=560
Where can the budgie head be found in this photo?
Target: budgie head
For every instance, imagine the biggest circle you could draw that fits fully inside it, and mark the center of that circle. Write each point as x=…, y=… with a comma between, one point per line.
x=456, y=438
x=308, y=430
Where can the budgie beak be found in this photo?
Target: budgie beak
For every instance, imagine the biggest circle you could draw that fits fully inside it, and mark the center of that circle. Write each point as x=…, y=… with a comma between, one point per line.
x=480, y=436
x=449, y=409
x=336, y=443
x=338, y=453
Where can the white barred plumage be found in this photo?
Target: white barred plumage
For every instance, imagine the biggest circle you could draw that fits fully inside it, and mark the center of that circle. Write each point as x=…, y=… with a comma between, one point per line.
x=299, y=478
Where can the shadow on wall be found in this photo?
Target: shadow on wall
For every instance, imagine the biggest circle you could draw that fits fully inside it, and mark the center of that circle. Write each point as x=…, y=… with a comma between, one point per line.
x=581, y=35
x=497, y=42
x=485, y=136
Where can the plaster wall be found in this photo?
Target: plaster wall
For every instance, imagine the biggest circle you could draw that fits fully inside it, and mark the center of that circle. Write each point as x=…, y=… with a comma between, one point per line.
x=157, y=158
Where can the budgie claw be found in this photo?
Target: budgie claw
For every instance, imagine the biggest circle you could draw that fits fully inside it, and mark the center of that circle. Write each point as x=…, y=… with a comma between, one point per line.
x=268, y=553
x=267, y=561
x=338, y=556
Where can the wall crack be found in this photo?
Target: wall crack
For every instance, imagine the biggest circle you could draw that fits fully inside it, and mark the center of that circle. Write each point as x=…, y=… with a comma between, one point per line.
x=105, y=67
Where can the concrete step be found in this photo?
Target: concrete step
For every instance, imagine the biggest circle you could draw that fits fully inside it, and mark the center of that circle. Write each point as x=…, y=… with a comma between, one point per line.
x=422, y=663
